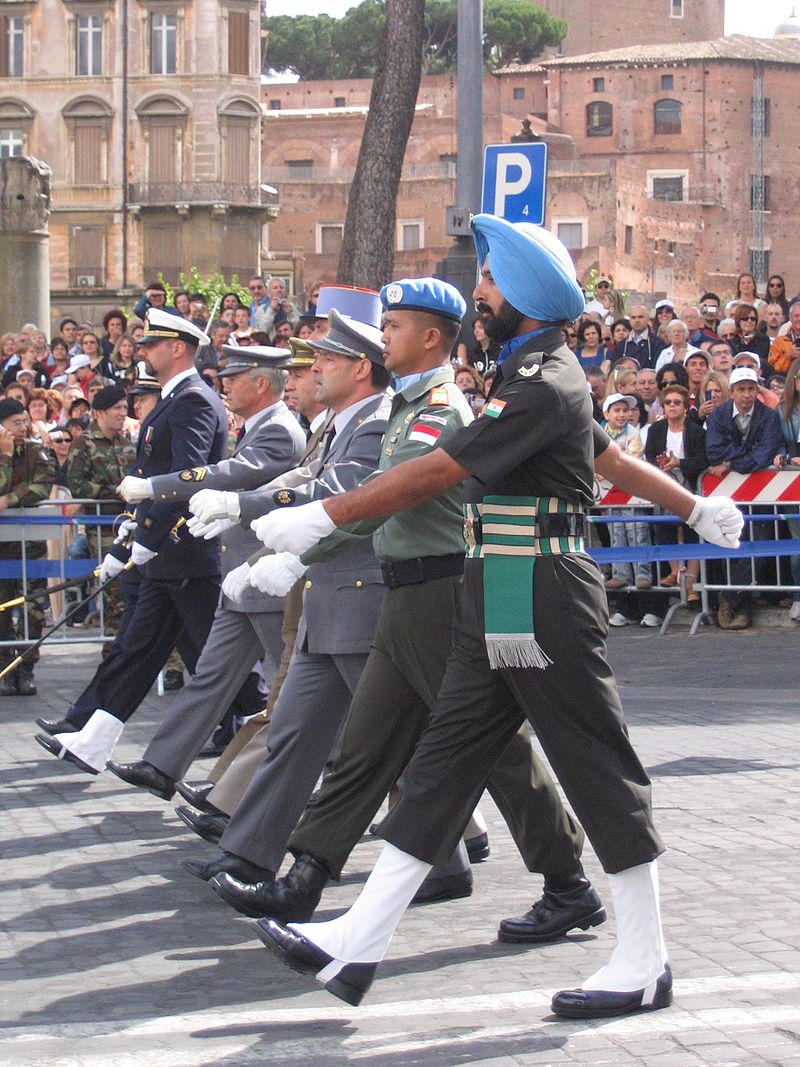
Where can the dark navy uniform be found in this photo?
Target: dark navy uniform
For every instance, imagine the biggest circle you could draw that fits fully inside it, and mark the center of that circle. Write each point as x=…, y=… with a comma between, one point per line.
x=538, y=443
x=180, y=586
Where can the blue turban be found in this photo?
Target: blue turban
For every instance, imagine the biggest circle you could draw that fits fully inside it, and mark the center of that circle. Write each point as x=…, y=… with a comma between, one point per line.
x=531, y=268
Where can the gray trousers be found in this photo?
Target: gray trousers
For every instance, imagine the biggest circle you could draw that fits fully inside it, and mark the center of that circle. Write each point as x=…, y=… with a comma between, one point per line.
x=305, y=722
x=236, y=642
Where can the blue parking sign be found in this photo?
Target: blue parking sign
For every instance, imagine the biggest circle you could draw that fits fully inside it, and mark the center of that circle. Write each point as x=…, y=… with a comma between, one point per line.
x=514, y=180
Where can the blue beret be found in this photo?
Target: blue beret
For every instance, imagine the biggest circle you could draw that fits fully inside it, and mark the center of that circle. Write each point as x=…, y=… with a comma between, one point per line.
x=424, y=294
x=531, y=268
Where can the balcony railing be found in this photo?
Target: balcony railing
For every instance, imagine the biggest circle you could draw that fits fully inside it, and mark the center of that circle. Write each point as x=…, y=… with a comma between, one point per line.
x=278, y=175
x=146, y=193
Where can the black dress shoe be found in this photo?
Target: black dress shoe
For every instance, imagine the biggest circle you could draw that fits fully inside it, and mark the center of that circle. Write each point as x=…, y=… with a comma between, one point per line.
x=55, y=748
x=555, y=915
x=57, y=726
x=230, y=864
x=478, y=848
x=144, y=776
x=209, y=827
x=601, y=1003
x=197, y=797
x=444, y=887
x=254, y=899
x=303, y=956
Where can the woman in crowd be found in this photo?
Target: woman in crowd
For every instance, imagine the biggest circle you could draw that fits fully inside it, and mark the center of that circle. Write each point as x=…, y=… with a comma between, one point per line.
x=621, y=380
x=8, y=348
x=714, y=390
x=59, y=441
x=748, y=337
x=42, y=412
x=570, y=333
x=90, y=346
x=480, y=352
x=59, y=353
x=590, y=351
x=672, y=374
x=676, y=445
x=727, y=330
x=41, y=350
x=183, y=303
x=678, y=348
x=789, y=457
x=114, y=323
x=471, y=385
x=664, y=314
x=747, y=293
x=776, y=293
x=241, y=322
x=123, y=356
x=230, y=300
x=25, y=359
x=620, y=331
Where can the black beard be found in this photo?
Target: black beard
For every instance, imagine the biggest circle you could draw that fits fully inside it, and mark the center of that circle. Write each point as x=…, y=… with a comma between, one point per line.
x=502, y=325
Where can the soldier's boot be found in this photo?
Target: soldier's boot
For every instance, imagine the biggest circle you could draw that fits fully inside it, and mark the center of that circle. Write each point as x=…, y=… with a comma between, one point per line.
x=292, y=898
x=8, y=684
x=25, y=683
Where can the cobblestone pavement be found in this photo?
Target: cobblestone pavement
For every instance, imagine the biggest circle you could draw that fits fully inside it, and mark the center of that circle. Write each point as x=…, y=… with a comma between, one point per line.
x=114, y=954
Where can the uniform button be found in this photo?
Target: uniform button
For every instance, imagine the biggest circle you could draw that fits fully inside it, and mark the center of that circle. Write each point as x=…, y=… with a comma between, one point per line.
x=224, y=548
x=359, y=583
x=309, y=583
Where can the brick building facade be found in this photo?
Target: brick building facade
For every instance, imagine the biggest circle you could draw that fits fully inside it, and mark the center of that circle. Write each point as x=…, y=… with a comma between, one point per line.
x=149, y=116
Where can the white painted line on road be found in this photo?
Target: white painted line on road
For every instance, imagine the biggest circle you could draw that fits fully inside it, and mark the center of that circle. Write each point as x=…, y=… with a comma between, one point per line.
x=536, y=1001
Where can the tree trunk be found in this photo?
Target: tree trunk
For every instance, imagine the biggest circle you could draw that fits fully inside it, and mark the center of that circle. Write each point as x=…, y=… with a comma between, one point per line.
x=367, y=251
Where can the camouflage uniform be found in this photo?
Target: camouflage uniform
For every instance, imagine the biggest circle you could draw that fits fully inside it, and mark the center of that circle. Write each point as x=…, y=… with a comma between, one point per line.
x=26, y=477
x=97, y=465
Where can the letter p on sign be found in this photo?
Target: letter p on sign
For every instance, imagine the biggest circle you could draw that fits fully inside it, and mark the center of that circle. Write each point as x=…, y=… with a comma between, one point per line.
x=514, y=178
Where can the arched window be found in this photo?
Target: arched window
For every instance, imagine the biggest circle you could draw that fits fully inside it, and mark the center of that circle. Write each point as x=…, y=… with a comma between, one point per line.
x=667, y=116
x=15, y=121
x=88, y=122
x=599, y=119
x=163, y=120
x=238, y=120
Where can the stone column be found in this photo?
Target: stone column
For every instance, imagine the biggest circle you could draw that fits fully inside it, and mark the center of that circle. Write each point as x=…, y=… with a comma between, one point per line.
x=24, y=243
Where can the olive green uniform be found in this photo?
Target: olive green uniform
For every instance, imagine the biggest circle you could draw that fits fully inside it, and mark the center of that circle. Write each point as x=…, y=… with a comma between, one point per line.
x=26, y=478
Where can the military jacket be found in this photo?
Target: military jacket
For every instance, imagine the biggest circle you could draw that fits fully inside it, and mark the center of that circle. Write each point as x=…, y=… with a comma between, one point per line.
x=97, y=466
x=27, y=476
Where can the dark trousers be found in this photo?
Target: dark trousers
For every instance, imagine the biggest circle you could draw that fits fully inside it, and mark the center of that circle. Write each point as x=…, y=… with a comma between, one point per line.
x=747, y=571
x=10, y=589
x=163, y=610
x=573, y=706
x=390, y=710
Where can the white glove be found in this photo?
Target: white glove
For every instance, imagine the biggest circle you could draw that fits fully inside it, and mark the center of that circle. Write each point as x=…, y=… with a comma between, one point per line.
x=124, y=530
x=110, y=568
x=140, y=554
x=276, y=574
x=294, y=529
x=134, y=490
x=211, y=504
x=236, y=581
x=207, y=530
x=718, y=520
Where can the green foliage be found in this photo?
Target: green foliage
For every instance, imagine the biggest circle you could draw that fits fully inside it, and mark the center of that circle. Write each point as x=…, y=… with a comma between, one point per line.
x=212, y=288
x=318, y=47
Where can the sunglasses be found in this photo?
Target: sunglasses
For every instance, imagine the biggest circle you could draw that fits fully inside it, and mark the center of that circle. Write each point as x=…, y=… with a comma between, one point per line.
x=603, y=285
x=59, y=438
x=669, y=381
x=677, y=400
x=749, y=318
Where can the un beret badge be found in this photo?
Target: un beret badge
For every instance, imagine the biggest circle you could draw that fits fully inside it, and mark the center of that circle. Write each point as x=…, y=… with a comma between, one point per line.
x=284, y=497
x=186, y=476
x=394, y=293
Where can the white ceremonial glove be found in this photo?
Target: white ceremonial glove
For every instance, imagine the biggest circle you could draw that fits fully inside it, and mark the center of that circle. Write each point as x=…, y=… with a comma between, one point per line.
x=276, y=574
x=124, y=530
x=110, y=568
x=207, y=530
x=294, y=529
x=211, y=504
x=140, y=554
x=134, y=490
x=718, y=520
x=236, y=581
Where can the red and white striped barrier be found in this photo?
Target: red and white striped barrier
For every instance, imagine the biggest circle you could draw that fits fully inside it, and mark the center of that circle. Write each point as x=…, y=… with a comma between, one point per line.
x=760, y=487
x=609, y=496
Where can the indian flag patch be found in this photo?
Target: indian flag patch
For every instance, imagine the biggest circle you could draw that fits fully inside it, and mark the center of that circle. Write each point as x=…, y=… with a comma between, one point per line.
x=495, y=408
x=429, y=435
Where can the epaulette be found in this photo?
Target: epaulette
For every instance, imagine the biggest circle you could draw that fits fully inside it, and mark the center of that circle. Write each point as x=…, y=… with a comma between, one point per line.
x=438, y=396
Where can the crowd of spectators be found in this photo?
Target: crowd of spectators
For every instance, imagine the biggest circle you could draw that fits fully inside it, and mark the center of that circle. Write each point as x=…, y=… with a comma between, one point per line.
x=702, y=388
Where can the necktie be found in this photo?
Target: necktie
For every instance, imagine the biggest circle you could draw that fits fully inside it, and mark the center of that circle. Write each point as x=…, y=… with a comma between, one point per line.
x=240, y=433
x=330, y=434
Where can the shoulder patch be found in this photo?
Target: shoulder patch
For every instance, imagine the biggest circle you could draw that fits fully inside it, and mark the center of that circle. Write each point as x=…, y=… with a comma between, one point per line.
x=284, y=497
x=531, y=367
x=195, y=474
x=438, y=395
x=494, y=409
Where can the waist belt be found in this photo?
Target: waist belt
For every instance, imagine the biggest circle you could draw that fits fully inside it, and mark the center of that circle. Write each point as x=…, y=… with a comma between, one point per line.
x=523, y=529
x=509, y=533
x=422, y=569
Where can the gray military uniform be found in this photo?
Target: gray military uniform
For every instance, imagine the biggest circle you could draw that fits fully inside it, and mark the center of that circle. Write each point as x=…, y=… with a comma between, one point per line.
x=242, y=632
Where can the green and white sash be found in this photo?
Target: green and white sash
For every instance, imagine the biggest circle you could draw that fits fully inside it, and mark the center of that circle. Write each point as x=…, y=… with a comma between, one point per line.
x=504, y=532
